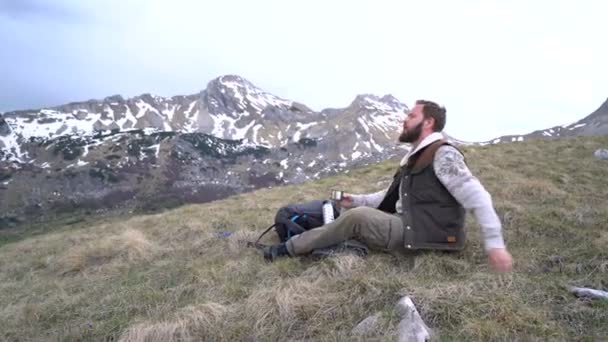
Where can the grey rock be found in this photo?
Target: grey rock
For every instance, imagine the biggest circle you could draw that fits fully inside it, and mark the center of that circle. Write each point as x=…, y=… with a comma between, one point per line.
x=5, y=130
x=114, y=99
x=80, y=115
x=99, y=126
x=601, y=153
x=584, y=292
x=368, y=326
x=62, y=129
x=411, y=328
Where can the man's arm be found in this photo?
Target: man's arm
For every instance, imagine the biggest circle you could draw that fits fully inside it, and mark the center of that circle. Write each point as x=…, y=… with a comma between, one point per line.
x=368, y=200
x=454, y=174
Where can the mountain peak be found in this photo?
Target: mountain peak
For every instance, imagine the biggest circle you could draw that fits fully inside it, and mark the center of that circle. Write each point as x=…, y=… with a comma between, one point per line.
x=362, y=98
x=233, y=78
x=232, y=82
x=390, y=99
x=234, y=94
x=370, y=101
x=147, y=97
x=114, y=98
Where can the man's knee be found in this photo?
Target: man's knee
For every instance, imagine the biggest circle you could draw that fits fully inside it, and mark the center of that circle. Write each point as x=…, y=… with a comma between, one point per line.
x=357, y=214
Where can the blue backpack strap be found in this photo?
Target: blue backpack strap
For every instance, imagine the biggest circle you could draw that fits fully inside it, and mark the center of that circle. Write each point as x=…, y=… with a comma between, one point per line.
x=293, y=219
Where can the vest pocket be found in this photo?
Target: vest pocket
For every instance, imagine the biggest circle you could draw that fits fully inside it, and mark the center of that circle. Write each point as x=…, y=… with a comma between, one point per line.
x=438, y=226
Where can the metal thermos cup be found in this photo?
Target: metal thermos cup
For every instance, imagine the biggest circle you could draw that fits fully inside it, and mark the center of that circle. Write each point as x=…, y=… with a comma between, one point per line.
x=337, y=195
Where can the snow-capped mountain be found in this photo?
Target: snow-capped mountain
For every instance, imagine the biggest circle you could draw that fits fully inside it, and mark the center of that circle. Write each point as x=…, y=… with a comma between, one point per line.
x=230, y=137
x=595, y=123
x=229, y=108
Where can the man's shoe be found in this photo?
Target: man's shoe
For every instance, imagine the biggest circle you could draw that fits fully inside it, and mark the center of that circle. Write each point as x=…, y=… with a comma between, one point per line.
x=275, y=251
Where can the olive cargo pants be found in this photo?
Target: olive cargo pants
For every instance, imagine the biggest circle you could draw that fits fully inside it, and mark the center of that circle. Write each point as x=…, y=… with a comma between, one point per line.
x=376, y=229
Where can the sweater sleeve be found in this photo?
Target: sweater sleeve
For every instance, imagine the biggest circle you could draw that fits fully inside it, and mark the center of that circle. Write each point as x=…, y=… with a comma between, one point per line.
x=454, y=174
x=369, y=200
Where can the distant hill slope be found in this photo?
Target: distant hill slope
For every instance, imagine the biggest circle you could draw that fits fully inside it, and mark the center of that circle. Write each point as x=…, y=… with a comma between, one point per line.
x=594, y=124
x=186, y=274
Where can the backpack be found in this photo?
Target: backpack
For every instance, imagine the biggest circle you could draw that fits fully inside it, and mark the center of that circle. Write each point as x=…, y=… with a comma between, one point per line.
x=294, y=219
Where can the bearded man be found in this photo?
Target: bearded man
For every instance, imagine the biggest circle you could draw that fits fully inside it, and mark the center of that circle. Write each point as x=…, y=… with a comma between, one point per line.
x=423, y=208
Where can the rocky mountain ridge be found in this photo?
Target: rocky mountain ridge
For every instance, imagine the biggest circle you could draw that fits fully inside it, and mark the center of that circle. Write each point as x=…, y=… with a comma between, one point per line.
x=594, y=124
x=149, y=151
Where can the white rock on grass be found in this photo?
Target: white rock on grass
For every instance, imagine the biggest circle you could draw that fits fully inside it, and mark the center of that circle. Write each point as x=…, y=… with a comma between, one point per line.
x=602, y=153
x=589, y=293
x=411, y=328
x=368, y=326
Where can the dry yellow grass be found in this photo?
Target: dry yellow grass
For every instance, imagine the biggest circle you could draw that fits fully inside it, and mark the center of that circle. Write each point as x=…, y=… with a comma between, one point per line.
x=130, y=245
x=192, y=323
x=176, y=275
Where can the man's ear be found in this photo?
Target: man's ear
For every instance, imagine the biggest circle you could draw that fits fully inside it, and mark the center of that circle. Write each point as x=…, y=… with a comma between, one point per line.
x=430, y=122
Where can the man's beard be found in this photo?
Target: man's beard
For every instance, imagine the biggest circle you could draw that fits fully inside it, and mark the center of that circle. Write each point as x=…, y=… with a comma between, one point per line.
x=411, y=135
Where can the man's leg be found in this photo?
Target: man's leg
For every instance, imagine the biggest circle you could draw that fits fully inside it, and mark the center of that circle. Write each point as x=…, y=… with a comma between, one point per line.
x=375, y=228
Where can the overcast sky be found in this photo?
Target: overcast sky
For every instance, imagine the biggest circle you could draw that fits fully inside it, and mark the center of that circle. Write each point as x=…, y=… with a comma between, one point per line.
x=499, y=67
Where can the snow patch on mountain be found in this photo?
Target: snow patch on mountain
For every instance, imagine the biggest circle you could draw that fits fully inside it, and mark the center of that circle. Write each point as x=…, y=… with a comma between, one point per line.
x=128, y=121
x=229, y=108
x=11, y=146
x=246, y=93
x=224, y=126
x=577, y=126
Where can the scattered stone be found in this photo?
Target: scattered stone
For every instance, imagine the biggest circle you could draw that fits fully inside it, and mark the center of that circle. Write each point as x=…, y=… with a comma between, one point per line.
x=411, y=328
x=554, y=261
x=583, y=292
x=601, y=153
x=367, y=326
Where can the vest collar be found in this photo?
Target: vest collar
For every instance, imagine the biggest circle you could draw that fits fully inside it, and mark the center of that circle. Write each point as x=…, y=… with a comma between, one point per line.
x=431, y=138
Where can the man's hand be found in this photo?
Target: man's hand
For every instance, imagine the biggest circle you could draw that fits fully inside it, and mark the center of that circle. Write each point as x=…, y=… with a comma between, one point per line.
x=500, y=259
x=347, y=201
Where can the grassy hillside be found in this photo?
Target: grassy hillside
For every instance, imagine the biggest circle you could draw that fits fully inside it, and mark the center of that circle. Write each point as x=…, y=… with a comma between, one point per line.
x=174, y=276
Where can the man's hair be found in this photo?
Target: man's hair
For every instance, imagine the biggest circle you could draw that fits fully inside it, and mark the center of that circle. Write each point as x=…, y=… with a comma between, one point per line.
x=432, y=110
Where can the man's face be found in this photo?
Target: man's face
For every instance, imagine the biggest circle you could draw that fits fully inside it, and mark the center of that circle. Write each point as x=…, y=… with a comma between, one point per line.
x=412, y=125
